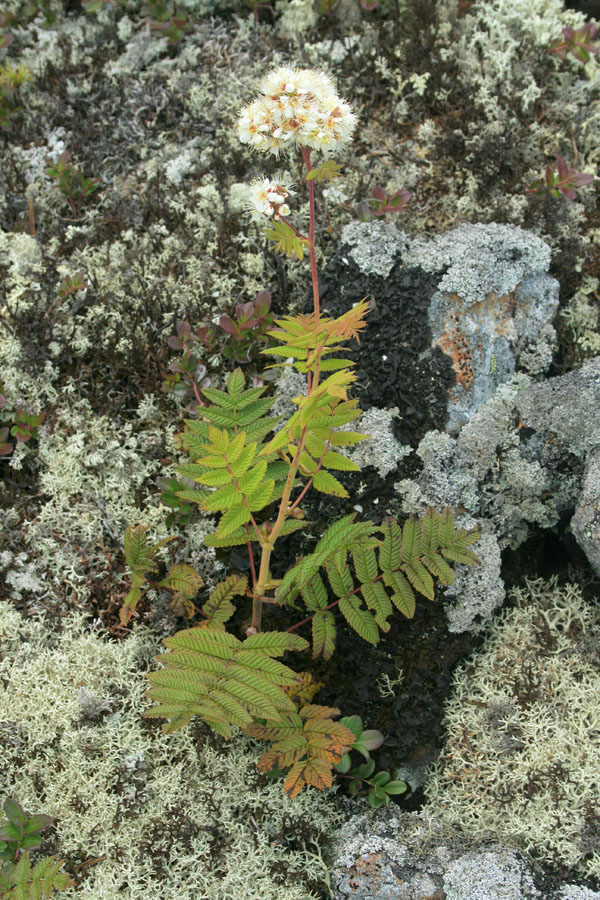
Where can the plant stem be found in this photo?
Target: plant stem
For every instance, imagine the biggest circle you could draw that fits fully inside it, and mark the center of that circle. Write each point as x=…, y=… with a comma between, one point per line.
x=311, y=235
x=267, y=548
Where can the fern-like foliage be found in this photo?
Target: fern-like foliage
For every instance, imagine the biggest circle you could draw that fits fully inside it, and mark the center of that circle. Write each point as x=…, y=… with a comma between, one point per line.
x=225, y=681
x=385, y=573
x=182, y=580
x=309, y=742
x=22, y=881
x=309, y=341
x=139, y=556
x=240, y=472
x=226, y=445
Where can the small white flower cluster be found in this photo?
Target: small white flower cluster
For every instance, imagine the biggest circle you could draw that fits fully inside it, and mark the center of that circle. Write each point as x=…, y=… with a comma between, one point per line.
x=297, y=106
x=268, y=198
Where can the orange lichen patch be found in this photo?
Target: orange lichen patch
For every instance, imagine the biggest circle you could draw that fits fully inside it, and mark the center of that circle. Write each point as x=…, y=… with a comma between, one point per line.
x=368, y=865
x=501, y=308
x=455, y=345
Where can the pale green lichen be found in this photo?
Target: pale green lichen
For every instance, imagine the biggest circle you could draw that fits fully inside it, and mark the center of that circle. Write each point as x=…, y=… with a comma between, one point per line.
x=581, y=317
x=520, y=761
x=173, y=817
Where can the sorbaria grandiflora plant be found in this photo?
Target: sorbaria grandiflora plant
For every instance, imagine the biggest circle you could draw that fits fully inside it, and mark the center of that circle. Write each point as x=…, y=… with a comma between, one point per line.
x=255, y=478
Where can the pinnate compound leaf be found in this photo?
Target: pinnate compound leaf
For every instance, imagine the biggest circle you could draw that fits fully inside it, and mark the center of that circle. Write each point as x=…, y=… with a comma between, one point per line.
x=311, y=743
x=218, y=608
x=22, y=882
x=285, y=240
x=327, y=171
x=225, y=681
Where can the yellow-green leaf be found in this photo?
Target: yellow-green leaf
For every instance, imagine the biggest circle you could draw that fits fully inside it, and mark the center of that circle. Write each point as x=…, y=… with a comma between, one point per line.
x=327, y=484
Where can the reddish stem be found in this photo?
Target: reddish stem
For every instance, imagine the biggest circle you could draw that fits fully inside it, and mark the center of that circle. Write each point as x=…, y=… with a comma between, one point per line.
x=251, y=558
x=311, y=234
x=294, y=229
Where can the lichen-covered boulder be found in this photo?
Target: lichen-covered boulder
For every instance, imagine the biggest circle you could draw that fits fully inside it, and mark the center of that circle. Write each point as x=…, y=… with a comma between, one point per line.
x=494, y=300
x=489, y=308
x=519, y=462
x=585, y=524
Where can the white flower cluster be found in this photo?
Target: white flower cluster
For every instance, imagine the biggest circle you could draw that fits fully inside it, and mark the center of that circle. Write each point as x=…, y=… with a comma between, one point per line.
x=297, y=106
x=268, y=198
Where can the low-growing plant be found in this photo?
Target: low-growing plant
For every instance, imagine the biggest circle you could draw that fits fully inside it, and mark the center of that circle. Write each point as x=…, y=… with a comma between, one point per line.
x=6, y=36
x=579, y=42
x=380, y=786
x=255, y=478
x=19, y=879
x=188, y=373
x=560, y=180
x=182, y=580
x=168, y=20
x=11, y=80
x=16, y=423
x=245, y=335
x=379, y=204
x=72, y=184
x=248, y=332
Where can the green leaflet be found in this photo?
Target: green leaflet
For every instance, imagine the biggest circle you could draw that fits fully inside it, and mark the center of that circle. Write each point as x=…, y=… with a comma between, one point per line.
x=325, y=483
x=332, y=460
x=403, y=596
x=359, y=619
x=323, y=634
x=232, y=520
x=389, y=552
x=21, y=881
x=218, y=609
x=378, y=601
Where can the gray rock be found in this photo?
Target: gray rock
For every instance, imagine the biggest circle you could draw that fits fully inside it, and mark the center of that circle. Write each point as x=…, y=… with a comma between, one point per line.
x=490, y=309
x=489, y=875
x=576, y=892
x=478, y=260
x=388, y=855
x=494, y=302
x=585, y=524
x=519, y=461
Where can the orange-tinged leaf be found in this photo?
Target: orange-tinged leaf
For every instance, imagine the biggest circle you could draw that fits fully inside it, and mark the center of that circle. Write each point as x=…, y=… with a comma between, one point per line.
x=312, y=771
